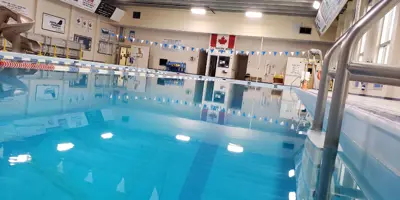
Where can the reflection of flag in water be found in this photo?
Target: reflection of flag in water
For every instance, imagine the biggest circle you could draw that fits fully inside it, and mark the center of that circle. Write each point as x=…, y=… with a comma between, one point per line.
x=222, y=41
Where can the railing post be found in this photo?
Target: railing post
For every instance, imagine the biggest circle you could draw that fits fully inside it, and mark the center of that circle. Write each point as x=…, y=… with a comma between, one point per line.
x=340, y=91
x=319, y=114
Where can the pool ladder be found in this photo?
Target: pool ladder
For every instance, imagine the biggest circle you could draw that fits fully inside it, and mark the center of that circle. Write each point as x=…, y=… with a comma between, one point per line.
x=346, y=71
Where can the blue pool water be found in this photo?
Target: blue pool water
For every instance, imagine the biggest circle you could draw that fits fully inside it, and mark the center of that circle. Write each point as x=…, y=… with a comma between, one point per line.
x=77, y=136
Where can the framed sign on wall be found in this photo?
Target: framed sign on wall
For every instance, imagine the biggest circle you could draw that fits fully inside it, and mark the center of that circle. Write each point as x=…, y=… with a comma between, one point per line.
x=85, y=41
x=47, y=92
x=53, y=23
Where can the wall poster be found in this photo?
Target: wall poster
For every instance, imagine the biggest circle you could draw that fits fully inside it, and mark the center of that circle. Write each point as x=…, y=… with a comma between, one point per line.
x=78, y=22
x=53, y=23
x=85, y=41
x=47, y=92
x=105, y=48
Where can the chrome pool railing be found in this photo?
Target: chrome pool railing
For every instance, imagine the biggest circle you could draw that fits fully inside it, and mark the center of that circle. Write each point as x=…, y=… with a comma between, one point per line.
x=346, y=71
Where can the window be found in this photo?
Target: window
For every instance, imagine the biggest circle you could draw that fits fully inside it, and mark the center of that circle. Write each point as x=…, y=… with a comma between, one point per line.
x=362, y=48
x=387, y=24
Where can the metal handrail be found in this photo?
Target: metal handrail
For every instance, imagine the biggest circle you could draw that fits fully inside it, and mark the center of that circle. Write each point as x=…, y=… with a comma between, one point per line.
x=342, y=77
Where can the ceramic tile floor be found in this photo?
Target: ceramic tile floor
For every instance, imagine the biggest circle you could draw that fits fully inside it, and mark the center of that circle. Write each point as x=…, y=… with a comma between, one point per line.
x=387, y=108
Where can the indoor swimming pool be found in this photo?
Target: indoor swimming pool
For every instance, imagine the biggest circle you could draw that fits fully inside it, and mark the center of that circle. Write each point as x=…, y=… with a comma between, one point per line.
x=92, y=136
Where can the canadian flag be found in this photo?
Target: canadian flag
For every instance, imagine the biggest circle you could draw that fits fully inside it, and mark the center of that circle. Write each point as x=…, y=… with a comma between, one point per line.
x=222, y=41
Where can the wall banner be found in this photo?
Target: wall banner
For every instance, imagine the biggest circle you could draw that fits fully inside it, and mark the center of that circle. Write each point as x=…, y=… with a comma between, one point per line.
x=53, y=23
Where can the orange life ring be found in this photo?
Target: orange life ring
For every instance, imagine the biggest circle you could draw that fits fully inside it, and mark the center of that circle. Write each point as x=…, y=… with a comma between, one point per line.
x=319, y=75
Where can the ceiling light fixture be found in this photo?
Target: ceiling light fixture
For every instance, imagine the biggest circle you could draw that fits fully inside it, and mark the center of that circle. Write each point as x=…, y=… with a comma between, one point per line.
x=292, y=195
x=107, y=135
x=65, y=146
x=291, y=173
x=19, y=159
x=183, y=138
x=199, y=11
x=235, y=148
x=251, y=14
x=316, y=5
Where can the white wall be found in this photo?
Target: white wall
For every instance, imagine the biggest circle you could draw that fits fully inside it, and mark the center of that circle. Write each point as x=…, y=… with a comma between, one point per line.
x=36, y=8
x=191, y=30
x=272, y=26
x=56, y=8
x=258, y=66
x=199, y=40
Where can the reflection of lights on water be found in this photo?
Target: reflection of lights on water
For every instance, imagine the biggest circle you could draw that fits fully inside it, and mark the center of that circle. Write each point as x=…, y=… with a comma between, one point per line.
x=183, y=138
x=235, y=148
x=65, y=146
x=19, y=159
x=107, y=135
x=291, y=173
x=292, y=195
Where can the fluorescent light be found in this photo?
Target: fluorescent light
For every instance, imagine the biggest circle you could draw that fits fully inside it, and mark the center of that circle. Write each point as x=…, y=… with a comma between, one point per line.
x=183, y=138
x=199, y=11
x=316, y=4
x=291, y=173
x=235, y=148
x=107, y=135
x=253, y=14
x=65, y=146
x=292, y=195
x=19, y=159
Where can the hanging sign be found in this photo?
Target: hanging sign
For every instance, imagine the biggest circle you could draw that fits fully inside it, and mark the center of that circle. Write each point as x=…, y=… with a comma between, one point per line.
x=98, y=7
x=14, y=7
x=327, y=13
x=89, y=5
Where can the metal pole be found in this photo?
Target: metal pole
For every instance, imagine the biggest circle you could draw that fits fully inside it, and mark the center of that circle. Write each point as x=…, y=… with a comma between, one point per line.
x=324, y=86
x=340, y=94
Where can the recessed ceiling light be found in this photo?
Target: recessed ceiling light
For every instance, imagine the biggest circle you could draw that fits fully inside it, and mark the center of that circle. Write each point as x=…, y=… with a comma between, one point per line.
x=291, y=173
x=107, y=135
x=183, y=138
x=199, y=11
x=292, y=195
x=65, y=146
x=235, y=148
x=19, y=159
x=316, y=4
x=251, y=14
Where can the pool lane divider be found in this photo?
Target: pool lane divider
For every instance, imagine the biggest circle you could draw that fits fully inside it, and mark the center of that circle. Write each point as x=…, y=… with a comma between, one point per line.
x=230, y=112
x=79, y=66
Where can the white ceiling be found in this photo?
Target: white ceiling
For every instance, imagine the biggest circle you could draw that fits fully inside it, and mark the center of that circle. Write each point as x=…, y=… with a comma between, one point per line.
x=282, y=7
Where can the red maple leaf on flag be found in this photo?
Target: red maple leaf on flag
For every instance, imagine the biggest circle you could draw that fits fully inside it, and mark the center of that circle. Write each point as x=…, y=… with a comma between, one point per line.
x=222, y=40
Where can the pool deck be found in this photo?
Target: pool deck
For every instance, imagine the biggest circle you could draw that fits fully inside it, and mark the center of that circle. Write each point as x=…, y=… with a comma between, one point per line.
x=370, y=140
x=389, y=109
